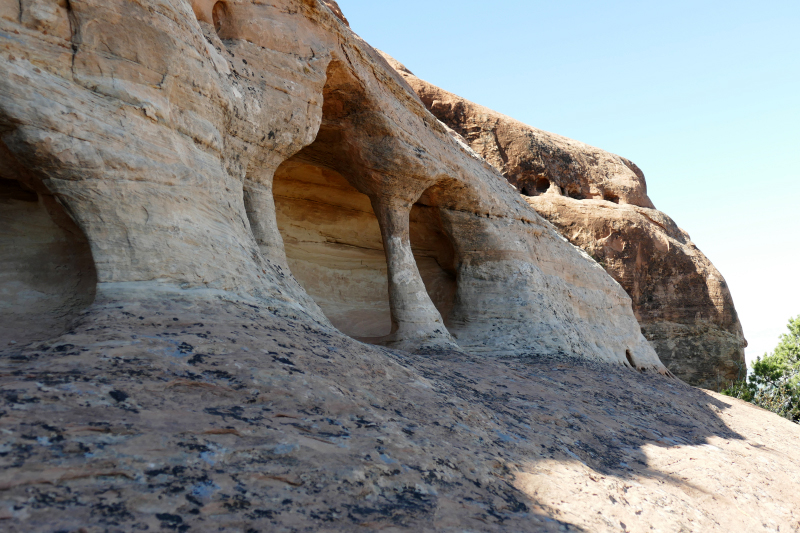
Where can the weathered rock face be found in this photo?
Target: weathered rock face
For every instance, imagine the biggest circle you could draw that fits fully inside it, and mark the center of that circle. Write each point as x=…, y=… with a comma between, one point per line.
x=165, y=144
x=239, y=177
x=599, y=202
x=198, y=411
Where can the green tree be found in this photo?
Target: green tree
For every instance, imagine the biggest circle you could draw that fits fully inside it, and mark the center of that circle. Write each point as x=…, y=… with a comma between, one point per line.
x=775, y=381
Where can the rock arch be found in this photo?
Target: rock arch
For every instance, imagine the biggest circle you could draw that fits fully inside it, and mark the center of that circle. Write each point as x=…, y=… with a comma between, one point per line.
x=347, y=228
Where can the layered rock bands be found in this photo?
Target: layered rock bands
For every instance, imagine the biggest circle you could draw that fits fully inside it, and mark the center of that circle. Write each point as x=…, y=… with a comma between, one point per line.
x=599, y=202
x=265, y=150
x=249, y=282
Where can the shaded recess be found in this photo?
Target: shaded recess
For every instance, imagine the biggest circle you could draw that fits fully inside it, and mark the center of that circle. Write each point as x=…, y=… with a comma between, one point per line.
x=334, y=248
x=331, y=235
x=574, y=192
x=435, y=255
x=219, y=14
x=47, y=274
x=540, y=186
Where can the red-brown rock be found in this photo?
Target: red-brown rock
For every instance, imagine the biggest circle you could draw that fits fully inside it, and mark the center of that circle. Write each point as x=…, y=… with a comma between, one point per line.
x=599, y=202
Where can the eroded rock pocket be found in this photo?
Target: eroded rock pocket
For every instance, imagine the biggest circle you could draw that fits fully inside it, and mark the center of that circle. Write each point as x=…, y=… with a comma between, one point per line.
x=47, y=274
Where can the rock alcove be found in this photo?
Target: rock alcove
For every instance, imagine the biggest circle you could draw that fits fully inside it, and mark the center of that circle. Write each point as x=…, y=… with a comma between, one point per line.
x=47, y=275
x=332, y=237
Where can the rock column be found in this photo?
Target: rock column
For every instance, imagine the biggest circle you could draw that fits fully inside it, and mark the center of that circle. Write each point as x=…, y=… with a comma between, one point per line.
x=260, y=207
x=416, y=323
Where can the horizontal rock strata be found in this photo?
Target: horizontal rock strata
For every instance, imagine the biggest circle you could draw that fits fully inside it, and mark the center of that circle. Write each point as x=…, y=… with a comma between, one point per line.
x=257, y=286
x=166, y=146
x=599, y=202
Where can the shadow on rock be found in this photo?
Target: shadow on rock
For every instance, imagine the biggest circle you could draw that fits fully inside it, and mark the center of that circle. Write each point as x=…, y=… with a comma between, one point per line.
x=186, y=413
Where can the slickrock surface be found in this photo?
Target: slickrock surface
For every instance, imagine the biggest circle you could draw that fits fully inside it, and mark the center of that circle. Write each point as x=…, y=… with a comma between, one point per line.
x=207, y=413
x=599, y=202
x=196, y=195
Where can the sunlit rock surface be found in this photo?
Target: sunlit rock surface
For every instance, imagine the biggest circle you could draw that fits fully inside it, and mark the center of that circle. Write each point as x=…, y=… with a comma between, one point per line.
x=207, y=206
x=599, y=202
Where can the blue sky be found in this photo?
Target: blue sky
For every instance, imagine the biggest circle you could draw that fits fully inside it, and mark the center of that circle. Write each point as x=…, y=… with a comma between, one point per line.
x=704, y=96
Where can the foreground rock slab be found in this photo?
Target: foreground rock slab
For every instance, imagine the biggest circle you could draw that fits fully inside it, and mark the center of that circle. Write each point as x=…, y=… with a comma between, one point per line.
x=209, y=412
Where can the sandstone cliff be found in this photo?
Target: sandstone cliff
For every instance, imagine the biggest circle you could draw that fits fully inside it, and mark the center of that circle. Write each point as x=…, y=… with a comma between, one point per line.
x=599, y=202
x=207, y=206
x=267, y=151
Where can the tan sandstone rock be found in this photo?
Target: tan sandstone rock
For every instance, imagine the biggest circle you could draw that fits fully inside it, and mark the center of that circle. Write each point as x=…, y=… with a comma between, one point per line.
x=162, y=143
x=249, y=176
x=599, y=202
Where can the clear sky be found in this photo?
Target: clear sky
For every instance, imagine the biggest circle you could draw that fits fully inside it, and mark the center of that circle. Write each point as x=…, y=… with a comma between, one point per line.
x=704, y=96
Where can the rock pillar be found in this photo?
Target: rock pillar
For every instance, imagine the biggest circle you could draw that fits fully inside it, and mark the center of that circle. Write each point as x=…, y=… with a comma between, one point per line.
x=416, y=323
x=260, y=207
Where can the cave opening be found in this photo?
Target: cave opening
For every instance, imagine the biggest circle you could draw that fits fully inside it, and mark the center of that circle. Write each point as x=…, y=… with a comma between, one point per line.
x=47, y=273
x=435, y=255
x=610, y=197
x=540, y=186
x=333, y=246
x=331, y=234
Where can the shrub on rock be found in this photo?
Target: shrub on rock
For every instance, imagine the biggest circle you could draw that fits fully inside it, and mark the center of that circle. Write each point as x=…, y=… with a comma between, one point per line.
x=775, y=382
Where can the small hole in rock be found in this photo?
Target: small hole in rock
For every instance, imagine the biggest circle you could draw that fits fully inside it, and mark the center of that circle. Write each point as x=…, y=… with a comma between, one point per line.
x=219, y=14
x=630, y=358
x=542, y=185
